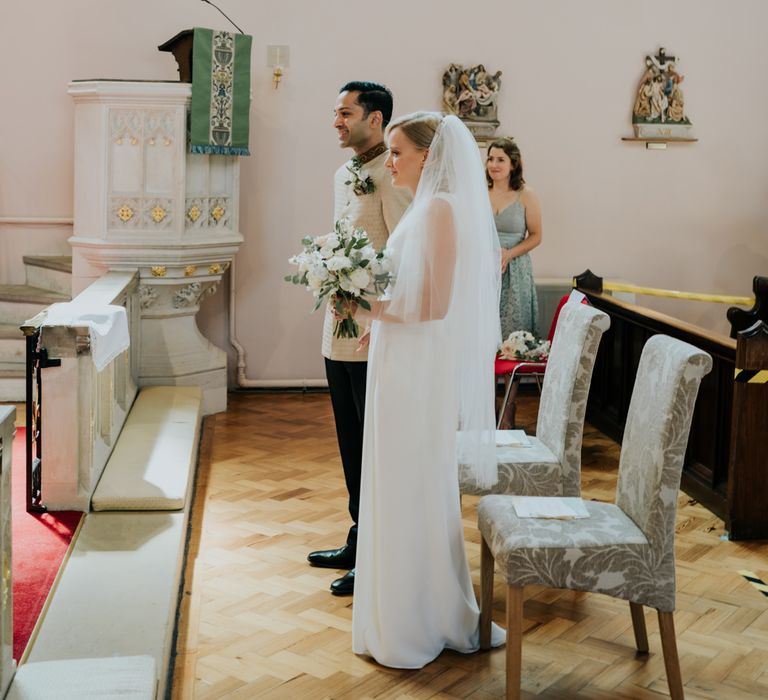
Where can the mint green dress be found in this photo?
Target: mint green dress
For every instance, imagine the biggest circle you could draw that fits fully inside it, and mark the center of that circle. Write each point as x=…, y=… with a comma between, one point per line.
x=518, y=307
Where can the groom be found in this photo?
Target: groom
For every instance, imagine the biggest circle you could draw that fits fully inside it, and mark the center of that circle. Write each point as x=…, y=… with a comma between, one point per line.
x=363, y=193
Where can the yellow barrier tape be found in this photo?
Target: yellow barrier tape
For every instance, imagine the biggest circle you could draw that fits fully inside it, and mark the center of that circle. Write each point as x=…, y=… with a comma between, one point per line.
x=652, y=291
x=751, y=376
x=755, y=580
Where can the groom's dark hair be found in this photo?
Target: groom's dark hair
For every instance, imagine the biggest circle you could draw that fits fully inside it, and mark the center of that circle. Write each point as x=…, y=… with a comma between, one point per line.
x=373, y=97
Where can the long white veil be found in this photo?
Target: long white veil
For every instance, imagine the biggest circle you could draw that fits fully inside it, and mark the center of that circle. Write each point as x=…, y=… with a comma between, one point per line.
x=457, y=243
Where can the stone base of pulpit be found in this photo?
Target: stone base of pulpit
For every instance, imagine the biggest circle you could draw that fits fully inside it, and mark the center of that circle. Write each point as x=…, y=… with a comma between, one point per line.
x=173, y=351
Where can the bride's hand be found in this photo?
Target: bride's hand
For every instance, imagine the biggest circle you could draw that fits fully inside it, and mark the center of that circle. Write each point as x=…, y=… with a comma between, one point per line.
x=365, y=340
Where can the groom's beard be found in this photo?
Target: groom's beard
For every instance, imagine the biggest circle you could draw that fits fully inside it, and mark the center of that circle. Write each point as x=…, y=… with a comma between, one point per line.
x=357, y=136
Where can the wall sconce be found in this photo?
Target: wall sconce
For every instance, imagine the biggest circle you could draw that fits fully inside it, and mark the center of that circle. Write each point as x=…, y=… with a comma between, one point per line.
x=278, y=58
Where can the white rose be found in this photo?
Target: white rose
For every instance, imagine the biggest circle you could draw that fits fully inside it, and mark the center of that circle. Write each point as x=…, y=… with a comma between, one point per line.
x=339, y=262
x=315, y=281
x=319, y=270
x=346, y=284
x=361, y=278
x=368, y=252
x=316, y=275
x=302, y=260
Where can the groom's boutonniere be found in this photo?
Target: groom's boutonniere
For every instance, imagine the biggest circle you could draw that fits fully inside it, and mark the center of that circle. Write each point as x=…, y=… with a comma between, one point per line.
x=361, y=182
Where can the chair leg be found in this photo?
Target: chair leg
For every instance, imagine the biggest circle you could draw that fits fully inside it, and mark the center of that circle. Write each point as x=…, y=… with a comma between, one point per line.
x=514, y=641
x=671, y=660
x=638, y=624
x=486, y=594
x=508, y=402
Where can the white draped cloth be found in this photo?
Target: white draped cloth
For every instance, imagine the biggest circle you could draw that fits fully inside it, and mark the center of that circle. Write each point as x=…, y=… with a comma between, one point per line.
x=107, y=326
x=430, y=372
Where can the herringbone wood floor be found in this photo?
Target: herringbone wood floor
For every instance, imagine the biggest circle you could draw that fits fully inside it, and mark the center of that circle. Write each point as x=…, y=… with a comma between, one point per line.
x=258, y=622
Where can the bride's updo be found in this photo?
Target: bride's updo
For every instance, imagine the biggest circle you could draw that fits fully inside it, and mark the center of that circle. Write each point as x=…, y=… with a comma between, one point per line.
x=418, y=127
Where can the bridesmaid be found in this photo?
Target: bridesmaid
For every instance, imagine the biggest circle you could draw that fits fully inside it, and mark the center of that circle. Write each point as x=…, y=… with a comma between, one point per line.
x=517, y=215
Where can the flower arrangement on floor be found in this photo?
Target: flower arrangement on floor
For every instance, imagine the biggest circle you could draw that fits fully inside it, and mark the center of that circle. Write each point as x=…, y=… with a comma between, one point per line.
x=523, y=345
x=343, y=265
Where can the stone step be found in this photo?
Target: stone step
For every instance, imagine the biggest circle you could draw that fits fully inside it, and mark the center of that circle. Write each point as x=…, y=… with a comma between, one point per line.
x=12, y=370
x=61, y=263
x=117, y=595
x=52, y=272
x=10, y=331
x=19, y=302
x=13, y=349
x=12, y=343
x=13, y=381
x=115, y=678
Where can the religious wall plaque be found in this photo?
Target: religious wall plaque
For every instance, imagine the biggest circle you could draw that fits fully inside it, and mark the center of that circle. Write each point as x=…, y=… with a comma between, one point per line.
x=659, y=108
x=471, y=94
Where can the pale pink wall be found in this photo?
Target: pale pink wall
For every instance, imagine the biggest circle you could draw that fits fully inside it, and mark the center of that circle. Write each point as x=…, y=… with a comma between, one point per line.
x=692, y=217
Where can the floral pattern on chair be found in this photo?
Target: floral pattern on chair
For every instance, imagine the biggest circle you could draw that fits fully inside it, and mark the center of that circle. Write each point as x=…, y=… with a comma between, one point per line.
x=552, y=467
x=624, y=549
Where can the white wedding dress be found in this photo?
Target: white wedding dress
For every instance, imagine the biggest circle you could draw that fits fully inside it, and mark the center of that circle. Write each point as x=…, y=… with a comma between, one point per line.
x=413, y=591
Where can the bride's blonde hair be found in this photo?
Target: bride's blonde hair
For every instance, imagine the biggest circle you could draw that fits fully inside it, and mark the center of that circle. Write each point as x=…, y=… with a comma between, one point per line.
x=418, y=127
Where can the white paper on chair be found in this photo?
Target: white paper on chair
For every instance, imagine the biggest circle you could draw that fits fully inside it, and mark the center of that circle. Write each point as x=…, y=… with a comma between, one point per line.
x=553, y=507
x=512, y=438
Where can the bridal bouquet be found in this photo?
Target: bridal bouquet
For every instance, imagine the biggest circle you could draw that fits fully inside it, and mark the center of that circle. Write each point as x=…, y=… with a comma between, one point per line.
x=522, y=345
x=344, y=265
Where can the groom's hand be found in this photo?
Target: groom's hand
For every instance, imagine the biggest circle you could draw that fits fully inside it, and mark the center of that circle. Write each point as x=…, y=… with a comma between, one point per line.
x=343, y=308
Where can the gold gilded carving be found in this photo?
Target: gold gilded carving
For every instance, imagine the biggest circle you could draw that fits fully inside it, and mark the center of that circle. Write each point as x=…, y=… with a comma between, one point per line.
x=119, y=141
x=190, y=270
x=134, y=140
x=158, y=214
x=194, y=213
x=158, y=271
x=152, y=142
x=125, y=213
x=214, y=269
x=218, y=212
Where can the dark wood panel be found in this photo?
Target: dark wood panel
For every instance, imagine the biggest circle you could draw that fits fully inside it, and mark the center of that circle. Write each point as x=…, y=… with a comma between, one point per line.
x=748, y=484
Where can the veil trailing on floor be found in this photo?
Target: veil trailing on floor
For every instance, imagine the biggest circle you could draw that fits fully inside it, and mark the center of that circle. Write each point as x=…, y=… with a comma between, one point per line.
x=450, y=269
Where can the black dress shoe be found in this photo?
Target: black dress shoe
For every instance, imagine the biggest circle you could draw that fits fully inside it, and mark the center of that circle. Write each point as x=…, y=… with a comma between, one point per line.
x=344, y=585
x=342, y=558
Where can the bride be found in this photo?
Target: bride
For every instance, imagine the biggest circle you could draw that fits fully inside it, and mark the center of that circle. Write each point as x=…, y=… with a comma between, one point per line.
x=430, y=372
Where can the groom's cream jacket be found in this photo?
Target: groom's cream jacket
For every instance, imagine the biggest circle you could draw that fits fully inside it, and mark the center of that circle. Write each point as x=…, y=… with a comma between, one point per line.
x=378, y=213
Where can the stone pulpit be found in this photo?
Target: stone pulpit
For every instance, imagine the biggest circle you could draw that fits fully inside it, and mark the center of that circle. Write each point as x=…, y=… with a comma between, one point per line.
x=144, y=203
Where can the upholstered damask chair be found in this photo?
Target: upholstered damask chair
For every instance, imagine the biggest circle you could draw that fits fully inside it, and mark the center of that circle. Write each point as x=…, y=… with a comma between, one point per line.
x=551, y=466
x=626, y=549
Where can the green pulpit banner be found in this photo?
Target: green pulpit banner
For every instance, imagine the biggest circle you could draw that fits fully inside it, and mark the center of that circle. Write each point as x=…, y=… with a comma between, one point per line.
x=221, y=92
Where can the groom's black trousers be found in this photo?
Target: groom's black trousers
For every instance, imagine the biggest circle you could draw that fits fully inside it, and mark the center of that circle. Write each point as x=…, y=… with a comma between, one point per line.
x=346, y=382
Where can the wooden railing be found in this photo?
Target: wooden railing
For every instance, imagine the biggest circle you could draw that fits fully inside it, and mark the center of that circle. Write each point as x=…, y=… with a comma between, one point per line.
x=73, y=410
x=725, y=466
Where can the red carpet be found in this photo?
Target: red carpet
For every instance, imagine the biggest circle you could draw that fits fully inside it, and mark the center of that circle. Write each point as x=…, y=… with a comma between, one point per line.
x=39, y=545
